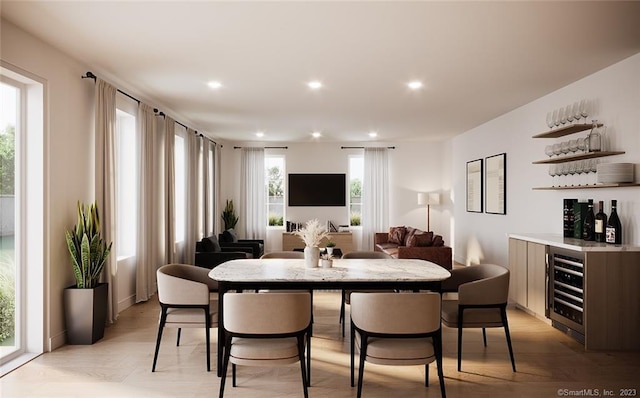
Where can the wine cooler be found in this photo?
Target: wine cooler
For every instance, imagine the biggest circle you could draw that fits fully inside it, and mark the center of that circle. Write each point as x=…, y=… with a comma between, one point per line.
x=565, y=303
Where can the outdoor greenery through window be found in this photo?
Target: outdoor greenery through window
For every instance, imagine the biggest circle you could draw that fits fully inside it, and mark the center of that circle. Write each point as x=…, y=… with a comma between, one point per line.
x=9, y=108
x=356, y=175
x=274, y=169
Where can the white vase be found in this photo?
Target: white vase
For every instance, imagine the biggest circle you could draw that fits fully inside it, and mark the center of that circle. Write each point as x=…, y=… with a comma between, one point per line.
x=311, y=256
x=330, y=251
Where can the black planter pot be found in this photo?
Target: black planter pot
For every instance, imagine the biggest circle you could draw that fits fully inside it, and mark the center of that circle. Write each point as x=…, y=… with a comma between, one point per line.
x=85, y=312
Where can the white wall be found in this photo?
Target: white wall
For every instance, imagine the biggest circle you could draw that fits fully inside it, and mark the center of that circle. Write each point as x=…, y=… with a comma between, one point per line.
x=615, y=91
x=413, y=168
x=69, y=172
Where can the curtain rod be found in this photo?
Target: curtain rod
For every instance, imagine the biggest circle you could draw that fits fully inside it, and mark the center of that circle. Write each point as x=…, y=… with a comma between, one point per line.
x=266, y=147
x=90, y=75
x=361, y=147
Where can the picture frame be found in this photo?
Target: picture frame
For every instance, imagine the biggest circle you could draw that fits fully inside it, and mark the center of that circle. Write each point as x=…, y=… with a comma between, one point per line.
x=496, y=184
x=474, y=186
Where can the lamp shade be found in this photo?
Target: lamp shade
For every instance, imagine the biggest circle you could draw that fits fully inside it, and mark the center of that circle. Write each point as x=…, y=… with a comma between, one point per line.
x=433, y=199
x=422, y=198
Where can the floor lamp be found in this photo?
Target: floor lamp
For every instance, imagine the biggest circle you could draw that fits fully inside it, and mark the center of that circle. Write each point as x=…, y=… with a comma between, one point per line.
x=428, y=199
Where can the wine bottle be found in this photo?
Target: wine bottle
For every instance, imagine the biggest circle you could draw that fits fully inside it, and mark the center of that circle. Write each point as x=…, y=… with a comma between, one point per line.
x=614, y=228
x=589, y=223
x=601, y=223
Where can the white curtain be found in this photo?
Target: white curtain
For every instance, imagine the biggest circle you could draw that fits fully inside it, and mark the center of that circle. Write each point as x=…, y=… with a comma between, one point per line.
x=193, y=205
x=105, y=130
x=170, y=188
x=217, y=210
x=254, y=192
x=375, y=195
x=148, y=206
x=207, y=189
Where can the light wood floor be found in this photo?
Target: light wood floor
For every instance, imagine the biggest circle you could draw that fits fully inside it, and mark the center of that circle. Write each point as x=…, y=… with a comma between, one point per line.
x=120, y=365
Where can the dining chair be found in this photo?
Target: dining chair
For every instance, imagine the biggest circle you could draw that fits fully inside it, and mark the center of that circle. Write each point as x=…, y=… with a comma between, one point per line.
x=346, y=294
x=396, y=329
x=188, y=299
x=266, y=330
x=482, y=302
x=283, y=254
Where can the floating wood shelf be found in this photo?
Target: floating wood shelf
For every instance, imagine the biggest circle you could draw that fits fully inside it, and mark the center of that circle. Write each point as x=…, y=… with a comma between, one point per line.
x=621, y=185
x=562, y=131
x=579, y=156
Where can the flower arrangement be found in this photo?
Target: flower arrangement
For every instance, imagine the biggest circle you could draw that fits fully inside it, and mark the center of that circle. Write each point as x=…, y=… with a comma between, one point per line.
x=313, y=233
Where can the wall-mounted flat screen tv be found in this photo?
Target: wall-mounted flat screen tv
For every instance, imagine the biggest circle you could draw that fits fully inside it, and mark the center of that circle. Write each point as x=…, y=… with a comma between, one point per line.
x=317, y=190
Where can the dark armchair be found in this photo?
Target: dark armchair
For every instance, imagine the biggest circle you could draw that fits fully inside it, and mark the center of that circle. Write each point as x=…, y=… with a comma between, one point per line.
x=229, y=239
x=209, y=253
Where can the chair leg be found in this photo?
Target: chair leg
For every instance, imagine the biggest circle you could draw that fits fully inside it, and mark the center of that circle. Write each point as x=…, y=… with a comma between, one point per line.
x=438, y=351
x=426, y=375
x=305, y=380
x=503, y=312
x=353, y=345
x=163, y=319
x=178, y=337
x=363, y=355
x=233, y=375
x=459, y=339
x=225, y=364
x=207, y=327
x=309, y=357
x=484, y=336
x=342, y=310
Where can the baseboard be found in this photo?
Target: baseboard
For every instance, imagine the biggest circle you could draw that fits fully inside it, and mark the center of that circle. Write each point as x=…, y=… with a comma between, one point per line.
x=126, y=303
x=58, y=340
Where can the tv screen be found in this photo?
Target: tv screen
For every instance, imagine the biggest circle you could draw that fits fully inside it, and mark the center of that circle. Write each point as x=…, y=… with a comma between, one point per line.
x=317, y=190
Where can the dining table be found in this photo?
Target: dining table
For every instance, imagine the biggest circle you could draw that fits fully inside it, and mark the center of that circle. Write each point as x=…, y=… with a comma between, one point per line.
x=345, y=274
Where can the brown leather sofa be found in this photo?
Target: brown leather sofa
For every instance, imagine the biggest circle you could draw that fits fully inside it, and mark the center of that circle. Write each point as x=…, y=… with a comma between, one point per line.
x=408, y=242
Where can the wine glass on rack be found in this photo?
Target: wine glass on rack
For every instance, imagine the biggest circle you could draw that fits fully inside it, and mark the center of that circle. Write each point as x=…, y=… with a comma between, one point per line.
x=573, y=146
x=568, y=111
x=575, y=110
x=581, y=144
x=556, y=117
x=593, y=168
x=584, y=109
x=548, y=150
x=563, y=115
x=550, y=119
x=553, y=172
x=571, y=170
x=580, y=171
x=557, y=149
x=565, y=147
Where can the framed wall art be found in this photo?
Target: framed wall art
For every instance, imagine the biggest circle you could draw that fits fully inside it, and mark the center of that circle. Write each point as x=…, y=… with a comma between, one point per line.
x=474, y=186
x=496, y=184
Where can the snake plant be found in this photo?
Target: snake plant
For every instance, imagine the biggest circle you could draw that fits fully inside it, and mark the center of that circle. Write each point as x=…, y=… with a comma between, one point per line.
x=88, y=250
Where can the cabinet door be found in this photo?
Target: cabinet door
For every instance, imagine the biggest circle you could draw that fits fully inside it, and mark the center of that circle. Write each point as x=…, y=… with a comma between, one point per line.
x=518, y=269
x=536, y=277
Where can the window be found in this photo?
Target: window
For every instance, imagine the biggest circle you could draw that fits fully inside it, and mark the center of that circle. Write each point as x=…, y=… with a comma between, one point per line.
x=126, y=182
x=356, y=176
x=274, y=169
x=21, y=213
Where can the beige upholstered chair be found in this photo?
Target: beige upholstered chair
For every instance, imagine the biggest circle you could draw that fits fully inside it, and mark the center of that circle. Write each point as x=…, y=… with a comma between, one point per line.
x=482, y=302
x=346, y=294
x=188, y=299
x=266, y=330
x=283, y=254
x=396, y=329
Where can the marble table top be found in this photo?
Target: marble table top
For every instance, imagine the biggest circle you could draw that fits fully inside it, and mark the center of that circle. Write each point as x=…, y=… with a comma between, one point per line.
x=343, y=270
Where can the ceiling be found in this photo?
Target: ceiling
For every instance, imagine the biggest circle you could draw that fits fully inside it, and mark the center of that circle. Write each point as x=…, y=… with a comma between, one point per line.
x=477, y=60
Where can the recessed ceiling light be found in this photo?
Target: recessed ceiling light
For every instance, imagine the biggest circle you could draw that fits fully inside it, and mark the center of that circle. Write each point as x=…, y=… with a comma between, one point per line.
x=314, y=85
x=260, y=134
x=373, y=134
x=414, y=85
x=214, y=84
x=316, y=134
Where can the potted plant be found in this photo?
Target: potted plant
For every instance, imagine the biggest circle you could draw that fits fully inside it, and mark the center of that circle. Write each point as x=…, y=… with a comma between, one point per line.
x=330, y=246
x=86, y=302
x=229, y=216
x=326, y=261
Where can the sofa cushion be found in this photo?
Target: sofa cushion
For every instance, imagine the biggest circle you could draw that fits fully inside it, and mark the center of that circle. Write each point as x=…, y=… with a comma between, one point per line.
x=410, y=232
x=421, y=239
x=230, y=235
x=210, y=244
x=396, y=235
x=438, y=241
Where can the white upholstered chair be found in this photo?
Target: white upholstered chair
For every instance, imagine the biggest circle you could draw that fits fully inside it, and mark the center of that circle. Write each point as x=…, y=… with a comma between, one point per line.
x=266, y=330
x=188, y=299
x=346, y=294
x=396, y=329
x=482, y=302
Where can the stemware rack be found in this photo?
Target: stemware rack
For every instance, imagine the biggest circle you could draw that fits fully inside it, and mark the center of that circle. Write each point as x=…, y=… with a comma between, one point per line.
x=568, y=130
